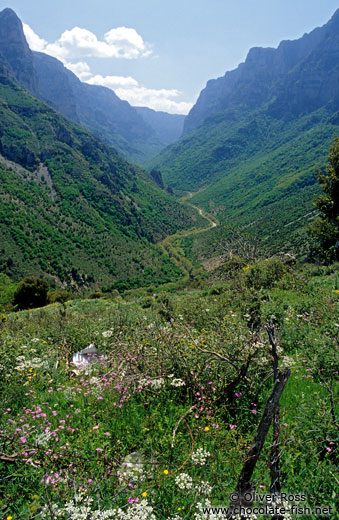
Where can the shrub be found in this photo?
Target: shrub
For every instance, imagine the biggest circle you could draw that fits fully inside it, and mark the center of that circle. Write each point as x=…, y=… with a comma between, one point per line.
x=263, y=274
x=31, y=293
x=59, y=296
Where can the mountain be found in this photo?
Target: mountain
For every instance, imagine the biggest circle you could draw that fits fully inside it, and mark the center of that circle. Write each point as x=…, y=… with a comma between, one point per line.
x=168, y=127
x=97, y=108
x=251, y=141
x=14, y=51
x=71, y=208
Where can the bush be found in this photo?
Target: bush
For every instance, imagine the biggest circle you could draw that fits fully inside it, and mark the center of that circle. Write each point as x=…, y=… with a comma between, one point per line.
x=7, y=291
x=233, y=265
x=60, y=296
x=263, y=274
x=31, y=293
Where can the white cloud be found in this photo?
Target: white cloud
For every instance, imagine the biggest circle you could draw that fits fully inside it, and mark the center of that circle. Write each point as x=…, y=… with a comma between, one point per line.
x=161, y=99
x=80, y=69
x=76, y=44
x=113, y=82
x=128, y=88
x=34, y=41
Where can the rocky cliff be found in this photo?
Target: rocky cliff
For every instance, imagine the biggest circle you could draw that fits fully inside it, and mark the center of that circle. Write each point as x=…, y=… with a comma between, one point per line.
x=301, y=74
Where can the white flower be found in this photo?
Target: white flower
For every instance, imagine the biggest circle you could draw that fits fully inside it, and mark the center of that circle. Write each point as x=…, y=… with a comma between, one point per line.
x=204, y=488
x=177, y=382
x=200, y=456
x=137, y=511
x=42, y=439
x=107, y=333
x=184, y=481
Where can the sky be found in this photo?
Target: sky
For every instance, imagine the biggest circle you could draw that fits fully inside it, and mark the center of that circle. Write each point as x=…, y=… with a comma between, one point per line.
x=160, y=53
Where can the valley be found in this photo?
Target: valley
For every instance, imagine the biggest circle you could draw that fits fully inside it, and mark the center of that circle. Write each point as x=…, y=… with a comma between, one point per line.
x=169, y=295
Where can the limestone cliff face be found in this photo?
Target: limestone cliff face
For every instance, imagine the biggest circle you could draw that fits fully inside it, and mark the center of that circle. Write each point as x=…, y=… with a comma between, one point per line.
x=54, y=85
x=98, y=108
x=301, y=75
x=14, y=51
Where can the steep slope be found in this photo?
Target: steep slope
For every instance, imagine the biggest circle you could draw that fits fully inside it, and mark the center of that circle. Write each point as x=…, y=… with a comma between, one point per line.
x=73, y=209
x=254, y=136
x=168, y=127
x=292, y=72
x=14, y=51
x=99, y=109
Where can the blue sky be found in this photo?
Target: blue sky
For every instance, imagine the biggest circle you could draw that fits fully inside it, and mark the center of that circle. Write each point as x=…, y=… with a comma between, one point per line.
x=161, y=53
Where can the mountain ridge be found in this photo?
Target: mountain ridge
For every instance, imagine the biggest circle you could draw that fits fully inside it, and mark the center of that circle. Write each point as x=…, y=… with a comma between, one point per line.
x=260, y=63
x=97, y=108
x=72, y=209
x=254, y=136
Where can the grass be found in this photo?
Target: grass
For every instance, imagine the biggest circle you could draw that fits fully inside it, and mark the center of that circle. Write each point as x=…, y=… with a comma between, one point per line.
x=125, y=434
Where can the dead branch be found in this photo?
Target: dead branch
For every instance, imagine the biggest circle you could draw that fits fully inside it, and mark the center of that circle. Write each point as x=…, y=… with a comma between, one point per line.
x=275, y=448
x=244, y=482
x=178, y=424
x=15, y=457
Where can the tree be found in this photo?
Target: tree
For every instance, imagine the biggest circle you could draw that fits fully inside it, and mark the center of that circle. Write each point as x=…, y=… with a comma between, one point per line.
x=31, y=293
x=326, y=228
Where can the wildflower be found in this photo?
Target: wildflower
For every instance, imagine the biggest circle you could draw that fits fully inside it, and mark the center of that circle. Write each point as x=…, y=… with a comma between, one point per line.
x=207, y=428
x=184, y=481
x=204, y=488
x=232, y=426
x=177, y=382
x=107, y=333
x=144, y=494
x=165, y=471
x=200, y=456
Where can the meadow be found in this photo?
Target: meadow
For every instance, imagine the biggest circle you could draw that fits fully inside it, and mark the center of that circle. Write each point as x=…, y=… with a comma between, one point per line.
x=160, y=426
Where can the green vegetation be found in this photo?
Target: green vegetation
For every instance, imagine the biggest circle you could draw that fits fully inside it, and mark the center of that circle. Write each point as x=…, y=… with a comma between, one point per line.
x=166, y=418
x=326, y=228
x=72, y=209
x=257, y=171
x=31, y=293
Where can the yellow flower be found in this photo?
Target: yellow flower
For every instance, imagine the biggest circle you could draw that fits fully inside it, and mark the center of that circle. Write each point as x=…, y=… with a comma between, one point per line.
x=206, y=428
x=144, y=494
x=9, y=518
x=336, y=291
x=31, y=369
x=179, y=508
x=165, y=471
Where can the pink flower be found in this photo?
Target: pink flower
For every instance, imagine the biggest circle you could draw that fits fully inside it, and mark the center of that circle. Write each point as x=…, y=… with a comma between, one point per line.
x=95, y=428
x=233, y=426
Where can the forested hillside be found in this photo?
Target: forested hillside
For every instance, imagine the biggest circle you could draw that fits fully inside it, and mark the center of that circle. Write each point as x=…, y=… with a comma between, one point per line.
x=72, y=208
